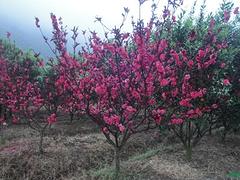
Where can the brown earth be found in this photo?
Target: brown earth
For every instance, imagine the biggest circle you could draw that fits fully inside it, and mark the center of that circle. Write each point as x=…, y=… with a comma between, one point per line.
x=79, y=151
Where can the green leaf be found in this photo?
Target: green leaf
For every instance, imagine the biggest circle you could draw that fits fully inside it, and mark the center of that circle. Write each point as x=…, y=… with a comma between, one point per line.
x=234, y=174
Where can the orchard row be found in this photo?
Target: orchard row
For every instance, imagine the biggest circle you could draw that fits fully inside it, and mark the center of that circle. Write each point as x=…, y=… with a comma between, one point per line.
x=177, y=73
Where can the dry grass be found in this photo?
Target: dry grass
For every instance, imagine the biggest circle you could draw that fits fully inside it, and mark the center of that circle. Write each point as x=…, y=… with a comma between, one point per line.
x=78, y=151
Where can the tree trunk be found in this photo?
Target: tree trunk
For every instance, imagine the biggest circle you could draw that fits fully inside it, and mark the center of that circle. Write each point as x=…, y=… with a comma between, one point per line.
x=41, y=142
x=224, y=135
x=117, y=162
x=188, y=150
x=0, y=110
x=210, y=130
x=188, y=145
x=71, y=117
x=5, y=115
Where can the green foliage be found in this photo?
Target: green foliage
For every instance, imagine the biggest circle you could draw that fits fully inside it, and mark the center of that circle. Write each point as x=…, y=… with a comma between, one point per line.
x=233, y=175
x=13, y=54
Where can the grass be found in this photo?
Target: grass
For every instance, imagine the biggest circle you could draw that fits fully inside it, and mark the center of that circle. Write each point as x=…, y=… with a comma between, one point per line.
x=145, y=155
x=234, y=175
x=2, y=140
x=109, y=173
x=125, y=174
x=77, y=151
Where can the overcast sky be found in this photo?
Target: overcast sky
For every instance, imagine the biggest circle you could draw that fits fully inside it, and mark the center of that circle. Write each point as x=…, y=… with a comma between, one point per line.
x=81, y=12
x=19, y=14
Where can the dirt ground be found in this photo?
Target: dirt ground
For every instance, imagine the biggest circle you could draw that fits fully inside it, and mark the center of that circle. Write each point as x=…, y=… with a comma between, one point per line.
x=79, y=151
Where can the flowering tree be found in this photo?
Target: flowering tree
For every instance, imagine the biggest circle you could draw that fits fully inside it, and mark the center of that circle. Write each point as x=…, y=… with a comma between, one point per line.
x=131, y=82
x=115, y=83
x=22, y=94
x=159, y=74
x=122, y=83
x=227, y=20
x=63, y=70
x=201, y=50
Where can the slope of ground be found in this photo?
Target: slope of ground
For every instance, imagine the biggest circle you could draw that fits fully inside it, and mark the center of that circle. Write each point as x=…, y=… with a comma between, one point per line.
x=79, y=151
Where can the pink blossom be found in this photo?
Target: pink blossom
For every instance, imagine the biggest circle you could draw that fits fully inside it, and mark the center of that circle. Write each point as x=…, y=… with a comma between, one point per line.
x=176, y=121
x=164, y=96
x=101, y=90
x=121, y=128
x=114, y=92
x=222, y=65
x=152, y=101
x=158, y=119
x=190, y=63
x=187, y=77
x=164, y=82
x=173, y=81
x=176, y=58
x=15, y=119
x=41, y=63
x=105, y=130
x=94, y=110
x=214, y=106
x=198, y=112
x=160, y=67
x=114, y=119
x=162, y=57
x=185, y=103
x=226, y=82
x=174, y=92
x=136, y=95
x=108, y=120
x=201, y=53
x=4, y=124
x=196, y=94
x=130, y=109
x=52, y=119
x=161, y=111
x=190, y=112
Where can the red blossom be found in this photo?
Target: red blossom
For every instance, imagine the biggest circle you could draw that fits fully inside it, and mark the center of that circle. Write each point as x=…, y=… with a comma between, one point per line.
x=164, y=82
x=176, y=121
x=201, y=53
x=214, y=106
x=226, y=82
x=105, y=130
x=15, y=119
x=121, y=128
x=52, y=118
x=222, y=65
x=185, y=103
x=101, y=90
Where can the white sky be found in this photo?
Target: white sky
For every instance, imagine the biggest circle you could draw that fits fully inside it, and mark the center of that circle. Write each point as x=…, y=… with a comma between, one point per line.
x=79, y=12
x=82, y=12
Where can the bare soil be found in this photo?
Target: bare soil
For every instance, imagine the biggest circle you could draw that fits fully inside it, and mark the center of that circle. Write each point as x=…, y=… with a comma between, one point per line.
x=79, y=151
